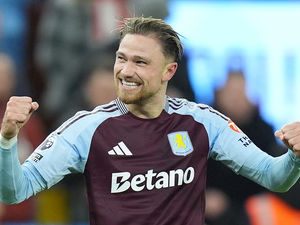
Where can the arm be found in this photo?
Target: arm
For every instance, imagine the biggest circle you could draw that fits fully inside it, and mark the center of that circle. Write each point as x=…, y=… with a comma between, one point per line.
x=60, y=154
x=19, y=182
x=290, y=136
x=277, y=174
x=18, y=111
x=239, y=153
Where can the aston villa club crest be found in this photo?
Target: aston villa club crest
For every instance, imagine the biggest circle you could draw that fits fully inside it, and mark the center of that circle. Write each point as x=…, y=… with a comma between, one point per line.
x=180, y=142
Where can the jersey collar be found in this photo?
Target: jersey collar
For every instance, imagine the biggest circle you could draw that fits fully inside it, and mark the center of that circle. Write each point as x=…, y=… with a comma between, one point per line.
x=123, y=108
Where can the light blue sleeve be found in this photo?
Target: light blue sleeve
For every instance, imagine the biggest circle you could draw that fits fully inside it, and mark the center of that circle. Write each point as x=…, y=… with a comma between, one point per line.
x=63, y=152
x=49, y=163
x=12, y=174
x=57, y=157
x=233, y=148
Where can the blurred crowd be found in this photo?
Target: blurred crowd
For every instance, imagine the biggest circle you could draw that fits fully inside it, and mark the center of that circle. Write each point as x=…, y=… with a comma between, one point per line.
x=61, y=53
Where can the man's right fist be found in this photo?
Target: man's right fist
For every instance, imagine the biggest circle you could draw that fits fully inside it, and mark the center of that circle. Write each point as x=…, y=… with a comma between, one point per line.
x=18, y=112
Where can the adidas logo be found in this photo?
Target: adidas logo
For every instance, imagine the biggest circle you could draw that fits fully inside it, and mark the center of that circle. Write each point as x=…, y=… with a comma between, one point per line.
x=120, y=149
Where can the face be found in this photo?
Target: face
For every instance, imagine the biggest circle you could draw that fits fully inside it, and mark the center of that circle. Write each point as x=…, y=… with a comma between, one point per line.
x=141, y=70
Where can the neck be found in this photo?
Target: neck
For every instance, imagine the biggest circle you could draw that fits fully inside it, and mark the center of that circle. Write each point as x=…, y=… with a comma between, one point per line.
x=147, y=110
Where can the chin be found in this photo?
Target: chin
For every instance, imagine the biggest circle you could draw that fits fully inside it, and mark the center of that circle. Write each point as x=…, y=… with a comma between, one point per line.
x=136, y=98
x=130, y=99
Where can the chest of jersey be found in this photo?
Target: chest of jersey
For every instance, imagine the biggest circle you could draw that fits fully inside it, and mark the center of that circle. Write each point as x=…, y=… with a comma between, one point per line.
x=146, y=161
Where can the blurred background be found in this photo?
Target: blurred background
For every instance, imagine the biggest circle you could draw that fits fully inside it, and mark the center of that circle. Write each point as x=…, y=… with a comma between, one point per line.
x=241, y=57
x=258, y=37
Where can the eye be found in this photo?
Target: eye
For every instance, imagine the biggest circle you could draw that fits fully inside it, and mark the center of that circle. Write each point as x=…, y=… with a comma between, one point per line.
x=120, y=58
x=140, y=62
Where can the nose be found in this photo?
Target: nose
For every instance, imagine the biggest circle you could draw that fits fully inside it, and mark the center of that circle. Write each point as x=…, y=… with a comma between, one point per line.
x=128, y=69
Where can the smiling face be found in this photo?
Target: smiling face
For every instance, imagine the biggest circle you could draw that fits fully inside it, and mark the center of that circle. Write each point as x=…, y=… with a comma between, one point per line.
x=141, y=70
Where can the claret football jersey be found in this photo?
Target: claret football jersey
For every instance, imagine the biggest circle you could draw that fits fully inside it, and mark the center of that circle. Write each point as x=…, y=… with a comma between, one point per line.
x=142, y=171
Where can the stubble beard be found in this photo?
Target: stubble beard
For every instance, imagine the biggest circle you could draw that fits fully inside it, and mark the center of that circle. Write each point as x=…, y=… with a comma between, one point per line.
x=139, y=98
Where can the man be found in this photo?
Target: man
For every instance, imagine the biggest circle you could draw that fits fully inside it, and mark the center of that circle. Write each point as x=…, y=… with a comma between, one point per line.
x=143, y=155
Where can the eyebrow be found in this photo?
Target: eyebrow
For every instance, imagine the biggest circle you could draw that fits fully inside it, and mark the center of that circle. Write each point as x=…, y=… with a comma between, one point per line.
x=135, y=57
x=119, y=53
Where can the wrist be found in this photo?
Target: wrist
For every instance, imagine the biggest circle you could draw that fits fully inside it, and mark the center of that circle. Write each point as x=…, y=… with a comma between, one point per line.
x=6, y=143
x=7, y=135
x=297, y=153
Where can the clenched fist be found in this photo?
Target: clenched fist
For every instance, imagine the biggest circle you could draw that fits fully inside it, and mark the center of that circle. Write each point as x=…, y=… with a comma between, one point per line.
x=290, y=136
x=18, y=111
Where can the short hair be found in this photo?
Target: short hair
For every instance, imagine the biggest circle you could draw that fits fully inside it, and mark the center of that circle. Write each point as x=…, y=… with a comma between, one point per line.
x=169, y=38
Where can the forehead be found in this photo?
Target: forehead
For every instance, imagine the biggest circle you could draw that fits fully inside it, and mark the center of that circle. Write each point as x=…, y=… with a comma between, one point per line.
x=140, y=45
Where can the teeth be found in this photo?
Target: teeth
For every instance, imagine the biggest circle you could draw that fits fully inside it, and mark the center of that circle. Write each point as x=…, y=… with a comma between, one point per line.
x=130, y=84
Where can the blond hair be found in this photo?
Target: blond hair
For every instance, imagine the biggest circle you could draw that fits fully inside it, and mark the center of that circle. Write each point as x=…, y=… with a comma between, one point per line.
x=169, y=39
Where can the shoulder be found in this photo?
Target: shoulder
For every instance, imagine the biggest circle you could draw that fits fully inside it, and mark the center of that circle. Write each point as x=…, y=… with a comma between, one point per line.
x=88, y=120
x=200, y=112
x=214, y=122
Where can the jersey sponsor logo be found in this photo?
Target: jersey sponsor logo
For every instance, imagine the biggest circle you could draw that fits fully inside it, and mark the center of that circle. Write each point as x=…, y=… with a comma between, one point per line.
x=234, y=127
x=48, y=142
x=120, y=149
x=122, y=181
x=180, y=142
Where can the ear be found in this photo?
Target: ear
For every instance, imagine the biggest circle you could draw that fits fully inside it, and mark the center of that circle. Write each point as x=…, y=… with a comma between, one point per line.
x=169, y=71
